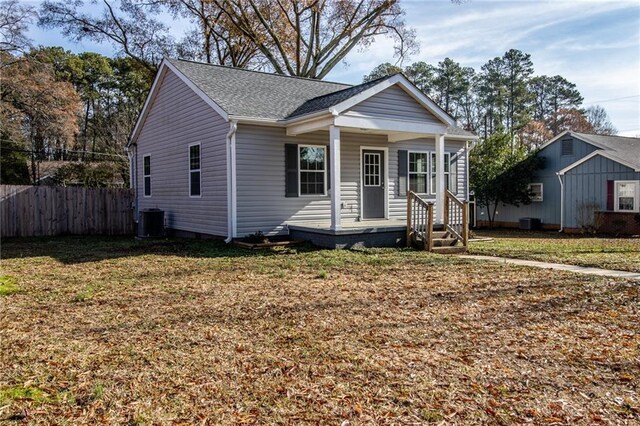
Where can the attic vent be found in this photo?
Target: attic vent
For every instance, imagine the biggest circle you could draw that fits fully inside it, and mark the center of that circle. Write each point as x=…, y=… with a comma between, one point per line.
x=567, y=146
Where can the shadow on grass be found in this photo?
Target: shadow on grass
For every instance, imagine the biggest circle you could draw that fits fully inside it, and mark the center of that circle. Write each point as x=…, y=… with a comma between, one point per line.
x=542, y=234
x=80, y=249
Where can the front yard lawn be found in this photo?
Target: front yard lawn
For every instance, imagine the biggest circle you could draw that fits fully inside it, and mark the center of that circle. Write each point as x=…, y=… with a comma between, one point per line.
x=173, y=332
x=609, y=253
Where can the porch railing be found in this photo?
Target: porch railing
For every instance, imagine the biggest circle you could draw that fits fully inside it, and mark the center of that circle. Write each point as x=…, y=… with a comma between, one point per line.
x=419, y=221
x=420, y=218
x=456, y=217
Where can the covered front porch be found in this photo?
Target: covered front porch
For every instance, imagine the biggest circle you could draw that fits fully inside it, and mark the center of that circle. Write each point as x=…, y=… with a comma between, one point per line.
x=384, y=143
x=372, y=198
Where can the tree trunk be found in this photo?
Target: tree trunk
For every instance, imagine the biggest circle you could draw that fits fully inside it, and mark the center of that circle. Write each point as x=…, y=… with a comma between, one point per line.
x=84, y=131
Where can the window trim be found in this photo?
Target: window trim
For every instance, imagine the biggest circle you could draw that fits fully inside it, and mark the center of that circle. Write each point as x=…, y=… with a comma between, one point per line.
x=536, y=199
x=145, y=176
x=195, y=170
x=636, y=196
x=300, y=194
x=428, y=172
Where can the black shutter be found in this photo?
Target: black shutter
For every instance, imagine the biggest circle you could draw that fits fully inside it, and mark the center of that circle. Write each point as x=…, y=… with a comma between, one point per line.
x=291, y=170
x=403, y=162
x=327, y=159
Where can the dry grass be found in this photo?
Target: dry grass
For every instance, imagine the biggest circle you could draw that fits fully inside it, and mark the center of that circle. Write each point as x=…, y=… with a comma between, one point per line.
x=609, y=253
x=116, y=331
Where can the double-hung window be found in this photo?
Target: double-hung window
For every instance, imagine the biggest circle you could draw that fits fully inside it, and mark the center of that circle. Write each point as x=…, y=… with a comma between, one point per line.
x=447, y=172
x=312, y=162
x=146, y=173
x=418, y=172
x=194, y=170
x=537, y=191
x=627, y=196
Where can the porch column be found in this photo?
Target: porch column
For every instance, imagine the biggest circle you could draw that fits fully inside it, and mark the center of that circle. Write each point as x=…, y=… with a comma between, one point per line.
x=440, y=184
x=336, y=201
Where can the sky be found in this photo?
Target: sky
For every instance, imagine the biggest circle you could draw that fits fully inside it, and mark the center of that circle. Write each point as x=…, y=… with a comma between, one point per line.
x=592, y=43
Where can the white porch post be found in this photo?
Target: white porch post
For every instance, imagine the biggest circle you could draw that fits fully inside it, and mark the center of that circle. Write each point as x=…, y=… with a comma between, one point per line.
x=440, y=184
x=336, y=202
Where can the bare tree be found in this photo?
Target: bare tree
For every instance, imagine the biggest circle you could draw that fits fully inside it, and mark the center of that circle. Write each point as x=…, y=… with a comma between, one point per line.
x=14, y=20
x=127, y=24
x=310, y=37
x=213, y=40
x=599, y=119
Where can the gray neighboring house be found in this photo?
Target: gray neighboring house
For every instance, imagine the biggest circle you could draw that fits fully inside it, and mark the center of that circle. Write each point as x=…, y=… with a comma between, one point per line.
x=228, y=152
x=589, y=181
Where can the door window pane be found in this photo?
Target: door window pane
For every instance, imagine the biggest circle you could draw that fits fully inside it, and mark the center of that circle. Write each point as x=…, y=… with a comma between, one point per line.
x=372, y=169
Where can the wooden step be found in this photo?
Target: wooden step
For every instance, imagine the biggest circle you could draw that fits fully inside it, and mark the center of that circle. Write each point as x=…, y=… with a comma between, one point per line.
x=449, y=250
x=444, y=242
x=440, y=234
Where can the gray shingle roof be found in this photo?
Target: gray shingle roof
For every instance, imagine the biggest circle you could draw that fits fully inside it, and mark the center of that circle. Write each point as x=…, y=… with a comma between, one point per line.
x=262, y=95
x=271, y=96
x=624, y=148
x=327, y=101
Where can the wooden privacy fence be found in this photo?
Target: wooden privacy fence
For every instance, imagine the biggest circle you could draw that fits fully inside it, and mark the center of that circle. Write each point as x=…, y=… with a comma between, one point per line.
x=30, y=211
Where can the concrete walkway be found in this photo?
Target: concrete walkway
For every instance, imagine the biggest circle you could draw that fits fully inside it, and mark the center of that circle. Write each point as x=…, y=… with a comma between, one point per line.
x=558, y=266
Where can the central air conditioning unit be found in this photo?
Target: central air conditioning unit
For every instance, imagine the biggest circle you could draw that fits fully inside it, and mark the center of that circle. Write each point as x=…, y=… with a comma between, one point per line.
x=530, y=223
x=151, y=223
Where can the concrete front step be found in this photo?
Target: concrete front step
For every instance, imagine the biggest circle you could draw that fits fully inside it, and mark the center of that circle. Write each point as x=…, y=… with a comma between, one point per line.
x=449, y=250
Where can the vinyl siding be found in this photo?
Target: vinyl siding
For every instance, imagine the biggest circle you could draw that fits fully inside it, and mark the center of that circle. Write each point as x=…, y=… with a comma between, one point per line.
x=176, y=119
x=261, y=202
x=548, y=211
x=393, y=103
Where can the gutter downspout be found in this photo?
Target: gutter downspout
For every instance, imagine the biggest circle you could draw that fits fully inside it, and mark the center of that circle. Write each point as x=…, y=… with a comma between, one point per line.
x=132, y=154
x=561, y=202
x=231, y=181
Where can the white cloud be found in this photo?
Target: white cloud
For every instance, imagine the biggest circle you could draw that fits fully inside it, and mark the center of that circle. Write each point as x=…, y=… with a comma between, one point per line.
x=593, y=44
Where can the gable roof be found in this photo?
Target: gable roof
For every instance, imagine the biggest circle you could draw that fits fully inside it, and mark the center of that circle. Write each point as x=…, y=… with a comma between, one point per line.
x=241, y=94
x=327, y=101
x=623, y=147
x=261, y=95
x=624, y=150
x=266, y=96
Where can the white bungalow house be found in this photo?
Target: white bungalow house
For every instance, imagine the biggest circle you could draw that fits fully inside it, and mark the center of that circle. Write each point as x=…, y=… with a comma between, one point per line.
x=228, y=152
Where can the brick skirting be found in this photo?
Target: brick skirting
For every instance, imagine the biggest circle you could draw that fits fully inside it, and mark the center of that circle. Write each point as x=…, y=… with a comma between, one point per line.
x=618, y=223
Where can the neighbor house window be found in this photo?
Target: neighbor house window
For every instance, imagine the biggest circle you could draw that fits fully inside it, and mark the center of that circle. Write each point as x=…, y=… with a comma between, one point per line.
x=313, y=169
x=536, y=190
x=447, y=171
x=627, y=196
x=418, y=172
x=567, y=147
x=146, y=172
x=194, y=170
